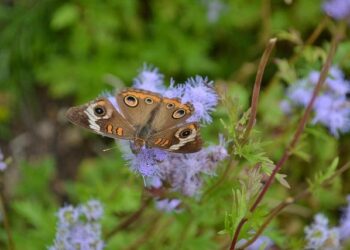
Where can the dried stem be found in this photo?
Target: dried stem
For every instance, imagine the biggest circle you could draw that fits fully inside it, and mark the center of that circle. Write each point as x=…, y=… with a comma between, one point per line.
x=317, y=32
x=131, y=219
x=257, y=84
x=151, y=230
x=10, y=243
x=324, y=72
x=288, y=202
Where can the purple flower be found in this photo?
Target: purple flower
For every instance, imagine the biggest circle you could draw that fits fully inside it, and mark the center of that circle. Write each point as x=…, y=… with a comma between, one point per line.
x=203, y=97
x=146, y=161
x=150, y=79
x=183, y=171
x=338, y=9
x=93, y=210
x=331, y=108
x=3, y=165
x=168, y=205
x=335, y=82
x=344, y=226
x=200, y=93
x=300, y=93
x=68, y=215
x=319, y=236
x=79, y=228
x=333, y=113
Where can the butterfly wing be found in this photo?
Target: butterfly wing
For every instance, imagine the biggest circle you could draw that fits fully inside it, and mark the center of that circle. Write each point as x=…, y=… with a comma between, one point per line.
x=180, y=139
x=138, y=106
x=171, y=113
x=101, y=117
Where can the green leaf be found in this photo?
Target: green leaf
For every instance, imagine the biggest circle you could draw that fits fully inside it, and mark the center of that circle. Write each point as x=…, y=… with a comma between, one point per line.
x=65, y=16
x=322, y=176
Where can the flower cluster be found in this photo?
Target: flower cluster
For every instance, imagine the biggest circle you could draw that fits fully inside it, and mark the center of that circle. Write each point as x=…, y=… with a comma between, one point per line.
x=79, y=228
x=183, y=171
x=3, y=165
x=320, y=236
x=332, y=106
x=179, y=171
x=338, y=9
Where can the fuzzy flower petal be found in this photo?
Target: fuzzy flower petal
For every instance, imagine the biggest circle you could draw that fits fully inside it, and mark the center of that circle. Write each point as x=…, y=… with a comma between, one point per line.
x=93, y=210
x=146, y=161
x=331, y=108
x=334, y=114
x=183, y=171
x=203, y=97
x=150, y=79
x=200, y=93
x=76, y=232
x=319, y=236
x=168, y=205
x=68, y=215
x=338, y=9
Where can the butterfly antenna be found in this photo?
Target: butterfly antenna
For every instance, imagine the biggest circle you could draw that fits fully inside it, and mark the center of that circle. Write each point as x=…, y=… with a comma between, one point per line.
x=108, y=149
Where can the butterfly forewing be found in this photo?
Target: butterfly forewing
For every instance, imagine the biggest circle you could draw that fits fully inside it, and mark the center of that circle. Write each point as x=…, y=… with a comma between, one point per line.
x=138, y=106
x=101, y=117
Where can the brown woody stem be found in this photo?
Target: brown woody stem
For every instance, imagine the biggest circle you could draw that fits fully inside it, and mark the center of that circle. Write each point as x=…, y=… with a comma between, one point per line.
x=324, y=73
x=257, y=84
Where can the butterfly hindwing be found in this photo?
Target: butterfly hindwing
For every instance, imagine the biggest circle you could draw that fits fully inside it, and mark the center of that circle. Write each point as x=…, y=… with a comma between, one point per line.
x=181, y=139
x=171, y=113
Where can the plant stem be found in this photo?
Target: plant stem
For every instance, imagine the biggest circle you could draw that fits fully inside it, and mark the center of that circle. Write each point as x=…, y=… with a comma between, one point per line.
x=131, y=219
x=256, y=90
x=10, y=243
x=288, y=202
x=324, y=73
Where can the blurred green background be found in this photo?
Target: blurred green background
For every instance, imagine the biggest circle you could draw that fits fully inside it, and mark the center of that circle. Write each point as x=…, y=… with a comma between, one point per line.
x=58, y=53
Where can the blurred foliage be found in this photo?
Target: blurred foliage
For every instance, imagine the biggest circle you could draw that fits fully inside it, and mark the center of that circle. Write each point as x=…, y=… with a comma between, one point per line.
x=57, y=53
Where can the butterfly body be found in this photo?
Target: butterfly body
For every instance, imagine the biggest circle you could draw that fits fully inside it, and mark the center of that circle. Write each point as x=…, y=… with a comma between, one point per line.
x=145, y=118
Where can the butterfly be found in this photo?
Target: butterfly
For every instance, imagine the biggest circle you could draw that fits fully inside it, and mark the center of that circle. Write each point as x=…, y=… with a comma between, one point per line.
x=145, y=118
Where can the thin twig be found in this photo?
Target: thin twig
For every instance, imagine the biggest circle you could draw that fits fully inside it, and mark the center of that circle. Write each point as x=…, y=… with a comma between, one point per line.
x=324, y=72
x=10, y=243
x=256, y=91
x=317, y=32
x=146, y=236
x=278, y=209
x=131, y=219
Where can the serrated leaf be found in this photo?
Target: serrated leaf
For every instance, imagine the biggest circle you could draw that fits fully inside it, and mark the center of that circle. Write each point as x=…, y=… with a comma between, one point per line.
x=322, y=176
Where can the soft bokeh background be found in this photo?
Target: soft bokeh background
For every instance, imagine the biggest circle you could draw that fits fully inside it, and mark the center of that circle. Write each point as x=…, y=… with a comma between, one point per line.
x=55, y=54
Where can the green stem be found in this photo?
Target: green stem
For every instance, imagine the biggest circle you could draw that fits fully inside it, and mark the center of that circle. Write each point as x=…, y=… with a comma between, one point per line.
x=10, y=243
